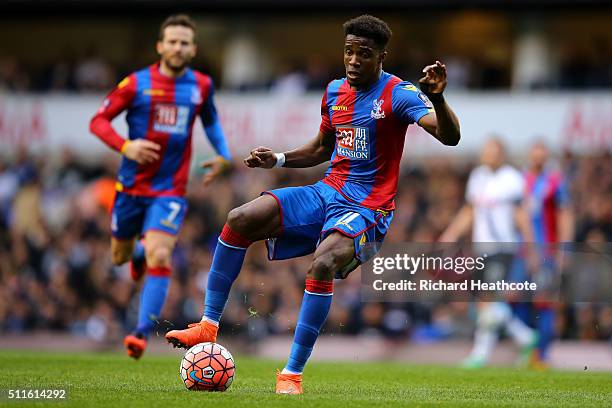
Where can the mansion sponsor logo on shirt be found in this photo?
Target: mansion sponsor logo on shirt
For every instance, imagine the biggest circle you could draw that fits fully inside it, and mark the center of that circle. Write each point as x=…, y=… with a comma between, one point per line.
x=171, y=118
x=353, y=142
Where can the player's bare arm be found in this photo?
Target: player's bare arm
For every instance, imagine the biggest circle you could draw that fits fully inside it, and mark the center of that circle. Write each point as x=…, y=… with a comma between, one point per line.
x=316, y=151
x=460, y=225
x=523, y=224
x=565, y=224
x=443, y=124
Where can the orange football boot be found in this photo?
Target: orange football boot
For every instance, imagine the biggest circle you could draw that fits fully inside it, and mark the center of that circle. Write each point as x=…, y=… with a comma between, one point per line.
x=288, y=383
x=135, y=345
x=195, y=333
x=536, y=363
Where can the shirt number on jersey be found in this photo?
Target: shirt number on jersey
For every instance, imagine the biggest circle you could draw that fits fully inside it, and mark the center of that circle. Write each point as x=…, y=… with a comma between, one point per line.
x=353, y=142
x=346, y=220
x=171, y=118
x=175, y=208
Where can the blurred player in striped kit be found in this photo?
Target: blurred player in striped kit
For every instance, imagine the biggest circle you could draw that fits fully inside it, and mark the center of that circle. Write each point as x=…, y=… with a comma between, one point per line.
x=495, y=213
x=547, y=202
x=162, y=103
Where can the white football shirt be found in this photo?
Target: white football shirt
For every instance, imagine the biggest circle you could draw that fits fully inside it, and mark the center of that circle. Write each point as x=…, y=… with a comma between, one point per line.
x=494, y=196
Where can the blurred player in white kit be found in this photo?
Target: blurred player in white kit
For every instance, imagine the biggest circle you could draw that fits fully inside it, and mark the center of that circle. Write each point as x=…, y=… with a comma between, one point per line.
x=495, y=214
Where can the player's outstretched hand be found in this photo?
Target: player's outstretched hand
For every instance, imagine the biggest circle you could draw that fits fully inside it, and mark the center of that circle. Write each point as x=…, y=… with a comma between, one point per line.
x=261, y=157
x=216, y=166
x=434, y=81
x=141, y=151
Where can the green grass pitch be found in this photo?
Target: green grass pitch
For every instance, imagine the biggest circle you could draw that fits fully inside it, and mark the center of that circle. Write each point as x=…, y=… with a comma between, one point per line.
x=107, y=380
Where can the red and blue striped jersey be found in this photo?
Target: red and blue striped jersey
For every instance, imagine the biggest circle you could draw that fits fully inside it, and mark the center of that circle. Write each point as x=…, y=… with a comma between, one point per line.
x=370, y=128
x=163, y=110
x=546, y=193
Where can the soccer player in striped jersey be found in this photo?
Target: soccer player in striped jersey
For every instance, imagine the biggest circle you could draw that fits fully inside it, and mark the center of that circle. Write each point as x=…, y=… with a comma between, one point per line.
x=548, y=205
x=364, y=118
x=547, y=199
x=162, y=103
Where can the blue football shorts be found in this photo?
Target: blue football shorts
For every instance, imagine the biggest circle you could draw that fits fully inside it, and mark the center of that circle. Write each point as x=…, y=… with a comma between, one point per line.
x=310, y=213
x=133, y=216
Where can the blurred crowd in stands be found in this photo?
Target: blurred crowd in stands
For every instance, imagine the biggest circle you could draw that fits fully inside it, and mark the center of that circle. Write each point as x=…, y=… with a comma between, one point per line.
x=93, y=73
x=56, y=274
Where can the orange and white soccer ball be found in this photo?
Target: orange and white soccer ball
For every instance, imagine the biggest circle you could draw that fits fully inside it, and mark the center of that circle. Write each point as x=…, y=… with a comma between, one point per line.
x=207, y=367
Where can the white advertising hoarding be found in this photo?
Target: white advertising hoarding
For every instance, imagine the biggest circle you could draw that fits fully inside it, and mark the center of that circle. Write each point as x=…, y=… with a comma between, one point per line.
x=581, y=122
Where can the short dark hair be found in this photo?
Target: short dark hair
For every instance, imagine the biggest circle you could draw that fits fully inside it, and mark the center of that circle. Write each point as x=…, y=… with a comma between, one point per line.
x=369, y=27
x=177, y=20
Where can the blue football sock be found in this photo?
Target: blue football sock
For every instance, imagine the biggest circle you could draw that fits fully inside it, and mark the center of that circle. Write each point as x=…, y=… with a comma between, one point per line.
x=522, y=311
x=152, y=301
x=313, y=313
x=225, y=268
x=546, y=331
